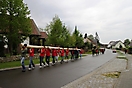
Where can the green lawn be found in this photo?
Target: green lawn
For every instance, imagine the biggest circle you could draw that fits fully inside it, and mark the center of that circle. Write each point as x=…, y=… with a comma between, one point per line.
x=17, y=63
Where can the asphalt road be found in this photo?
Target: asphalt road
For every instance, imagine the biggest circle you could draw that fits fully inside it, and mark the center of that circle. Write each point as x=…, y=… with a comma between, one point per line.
x=53, y=76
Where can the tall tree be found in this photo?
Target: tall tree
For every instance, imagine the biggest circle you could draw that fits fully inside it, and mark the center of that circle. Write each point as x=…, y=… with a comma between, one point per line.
x=97, y=38
x=78, y=38
x=85, y=36
x=57, y=33
x=15, y=21
x=91, y=37
x=126, y=42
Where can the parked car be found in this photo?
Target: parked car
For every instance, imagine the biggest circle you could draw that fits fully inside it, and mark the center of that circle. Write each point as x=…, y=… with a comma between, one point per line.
x=114, y=50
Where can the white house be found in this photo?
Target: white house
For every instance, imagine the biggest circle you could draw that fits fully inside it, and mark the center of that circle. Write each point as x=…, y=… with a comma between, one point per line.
x=116, y=44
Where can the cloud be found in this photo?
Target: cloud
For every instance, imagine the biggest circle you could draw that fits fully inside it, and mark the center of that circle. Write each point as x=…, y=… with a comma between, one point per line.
x=112, y=19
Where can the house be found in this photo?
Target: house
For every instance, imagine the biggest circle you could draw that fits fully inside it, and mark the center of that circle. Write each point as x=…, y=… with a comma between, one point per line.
x=116, y=45
x=93, y=42
x=37, y=37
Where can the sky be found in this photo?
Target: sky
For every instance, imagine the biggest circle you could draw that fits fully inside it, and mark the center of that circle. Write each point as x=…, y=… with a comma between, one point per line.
x=111, y=19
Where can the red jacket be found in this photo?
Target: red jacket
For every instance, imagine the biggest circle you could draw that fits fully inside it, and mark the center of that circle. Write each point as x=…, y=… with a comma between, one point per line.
x=54, y=52
x=58, y=52
x=81, y=51
x=62, y=52
x=31, y=52
x=67, y=52
x=42, y=52
x=48, y=52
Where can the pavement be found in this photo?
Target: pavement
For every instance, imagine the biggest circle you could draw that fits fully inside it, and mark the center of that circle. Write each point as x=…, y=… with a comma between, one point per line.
x=125, y=80
x=114, y=74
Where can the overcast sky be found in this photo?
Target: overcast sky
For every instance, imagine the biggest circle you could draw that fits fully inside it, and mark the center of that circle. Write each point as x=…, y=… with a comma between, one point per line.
x=111, y=19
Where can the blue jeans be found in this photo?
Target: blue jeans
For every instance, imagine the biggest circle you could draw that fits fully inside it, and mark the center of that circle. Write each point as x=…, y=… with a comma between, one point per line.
x=56, y=58
x=22, y=63
x=80, y=55
x=41, y=60
x=62, y=58
x=31, y=62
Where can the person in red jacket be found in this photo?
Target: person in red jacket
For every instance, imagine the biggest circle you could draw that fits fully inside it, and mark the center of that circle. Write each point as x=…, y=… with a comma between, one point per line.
x=31, y=55
x=62, y=52
x=41, y=57
x=81, y=51
x=57, y=54
x=67, y=54
x=48, y=56
x=53, y=56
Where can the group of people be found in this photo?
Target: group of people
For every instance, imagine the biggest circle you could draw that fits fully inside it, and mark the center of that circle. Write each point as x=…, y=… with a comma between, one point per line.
x=46, y=53
x=97, y=51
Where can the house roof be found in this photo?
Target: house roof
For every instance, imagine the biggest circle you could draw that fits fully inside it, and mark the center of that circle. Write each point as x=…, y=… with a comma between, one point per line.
x=113, y=43
x=35, y=30
x=43, y=35
x=93, y=41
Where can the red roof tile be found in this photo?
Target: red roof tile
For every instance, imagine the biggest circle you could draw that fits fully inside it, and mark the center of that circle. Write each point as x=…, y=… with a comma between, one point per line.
x=35, y=30
x=43, y=35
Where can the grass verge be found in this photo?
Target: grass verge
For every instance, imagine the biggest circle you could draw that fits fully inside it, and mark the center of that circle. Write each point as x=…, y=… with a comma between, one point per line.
x=17, y=63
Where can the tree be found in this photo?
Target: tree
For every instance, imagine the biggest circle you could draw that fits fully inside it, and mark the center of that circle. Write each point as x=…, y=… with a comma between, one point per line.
x=91, y=37
x=126, y=42
x=78, y=38
x=58, y=33
x=15, y=22
x=97, y=38
x=85, y=36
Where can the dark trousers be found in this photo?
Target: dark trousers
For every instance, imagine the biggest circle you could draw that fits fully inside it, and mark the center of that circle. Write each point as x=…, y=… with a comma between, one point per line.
x=53, y=57
x=66, y=57
x=47, y=59
x=41, y=60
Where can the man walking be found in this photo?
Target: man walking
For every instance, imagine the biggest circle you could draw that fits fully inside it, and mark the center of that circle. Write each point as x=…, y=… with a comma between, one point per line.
x=31, y=55
x=53, y=56
x=41, y=57
x=67, y=54
x=23, y=54
x=62, y=55
x=48, y=56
